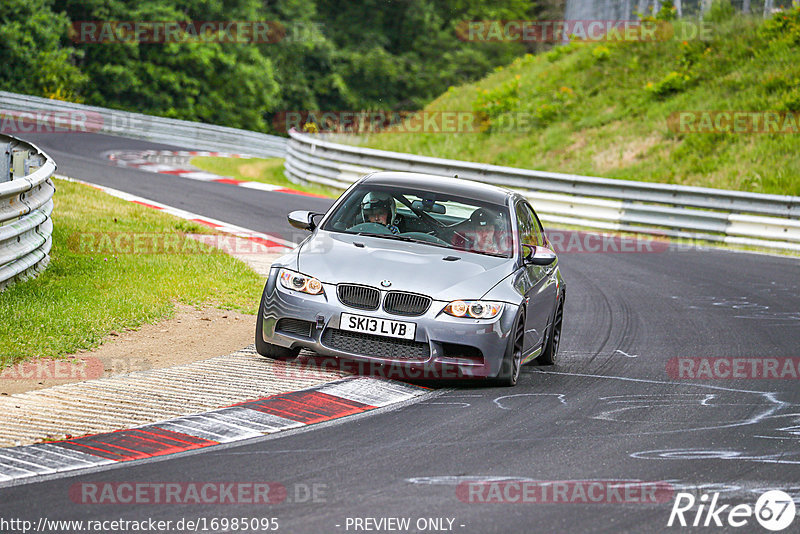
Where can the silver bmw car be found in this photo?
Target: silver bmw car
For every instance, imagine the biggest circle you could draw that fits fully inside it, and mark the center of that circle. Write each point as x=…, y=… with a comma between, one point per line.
x=419, y=276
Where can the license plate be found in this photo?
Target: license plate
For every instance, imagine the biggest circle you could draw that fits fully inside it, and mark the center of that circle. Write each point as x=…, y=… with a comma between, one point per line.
x=377, y=326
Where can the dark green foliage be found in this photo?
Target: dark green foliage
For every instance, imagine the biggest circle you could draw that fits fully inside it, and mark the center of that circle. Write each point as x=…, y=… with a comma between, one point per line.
x=32, y=58
x=335, y=55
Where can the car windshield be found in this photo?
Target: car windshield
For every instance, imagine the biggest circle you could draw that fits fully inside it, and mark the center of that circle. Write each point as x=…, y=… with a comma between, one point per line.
x=427, y=217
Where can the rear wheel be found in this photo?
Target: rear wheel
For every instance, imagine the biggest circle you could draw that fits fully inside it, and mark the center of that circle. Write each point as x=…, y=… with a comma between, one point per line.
x=268, y=350
x=550, y=353
x=512, y=362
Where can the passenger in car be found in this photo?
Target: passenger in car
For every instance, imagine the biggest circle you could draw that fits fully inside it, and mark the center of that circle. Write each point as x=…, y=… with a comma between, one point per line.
x=484, y=231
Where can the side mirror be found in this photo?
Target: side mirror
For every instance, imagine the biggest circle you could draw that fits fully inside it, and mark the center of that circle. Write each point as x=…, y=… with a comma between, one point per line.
x=304, y=220
x=538, y=255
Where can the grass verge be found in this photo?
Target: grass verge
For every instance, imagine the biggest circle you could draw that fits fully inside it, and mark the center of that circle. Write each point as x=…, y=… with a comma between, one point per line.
x=609, y=109
x=266, y=171
x=95, y=284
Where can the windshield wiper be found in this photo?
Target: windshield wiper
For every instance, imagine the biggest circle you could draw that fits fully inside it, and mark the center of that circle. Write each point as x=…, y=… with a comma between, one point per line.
x=404, y=238
x=392, y=236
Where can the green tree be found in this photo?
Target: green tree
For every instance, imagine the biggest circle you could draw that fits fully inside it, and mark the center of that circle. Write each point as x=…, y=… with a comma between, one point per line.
x=215, y=82
x=35, y=60
x=335, y=55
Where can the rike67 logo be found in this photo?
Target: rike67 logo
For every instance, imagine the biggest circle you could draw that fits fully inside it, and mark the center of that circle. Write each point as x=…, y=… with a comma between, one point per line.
x=774, y=510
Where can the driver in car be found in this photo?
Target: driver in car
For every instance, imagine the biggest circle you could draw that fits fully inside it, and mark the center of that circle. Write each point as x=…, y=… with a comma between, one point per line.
x=379, y=208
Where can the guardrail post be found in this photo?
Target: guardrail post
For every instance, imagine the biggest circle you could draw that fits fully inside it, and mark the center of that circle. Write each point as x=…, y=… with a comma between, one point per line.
x=18, y=157
x=5, y=162
x=33, y=163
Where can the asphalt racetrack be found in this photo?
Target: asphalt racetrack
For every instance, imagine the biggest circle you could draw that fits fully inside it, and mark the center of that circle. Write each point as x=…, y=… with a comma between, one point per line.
x=618, y=408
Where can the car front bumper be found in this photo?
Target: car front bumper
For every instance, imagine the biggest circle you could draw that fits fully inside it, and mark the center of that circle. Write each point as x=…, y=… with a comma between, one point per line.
x=444, y=347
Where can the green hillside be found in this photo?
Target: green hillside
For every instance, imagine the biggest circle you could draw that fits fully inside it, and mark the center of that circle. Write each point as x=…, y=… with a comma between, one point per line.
x=604, y=109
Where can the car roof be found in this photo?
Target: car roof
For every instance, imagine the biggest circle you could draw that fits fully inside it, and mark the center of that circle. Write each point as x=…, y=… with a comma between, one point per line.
x=441, y=184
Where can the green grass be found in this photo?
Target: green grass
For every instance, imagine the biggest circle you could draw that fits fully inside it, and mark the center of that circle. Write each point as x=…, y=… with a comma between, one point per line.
x=84, y=295
x=267, y=171
x=603, y=109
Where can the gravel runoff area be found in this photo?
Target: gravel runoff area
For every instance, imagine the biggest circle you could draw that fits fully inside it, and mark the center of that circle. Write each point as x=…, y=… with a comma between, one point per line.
x=142, y=397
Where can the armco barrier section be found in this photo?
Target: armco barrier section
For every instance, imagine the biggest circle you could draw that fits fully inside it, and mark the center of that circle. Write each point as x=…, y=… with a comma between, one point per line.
x=55, y=115
x=734, y=217
x=26, y=202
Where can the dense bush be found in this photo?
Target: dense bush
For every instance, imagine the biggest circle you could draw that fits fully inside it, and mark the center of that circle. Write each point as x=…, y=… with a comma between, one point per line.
x=33, y=58
x=335, y=55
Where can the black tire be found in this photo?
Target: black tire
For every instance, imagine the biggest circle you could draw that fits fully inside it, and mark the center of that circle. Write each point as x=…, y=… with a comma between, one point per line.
x=550, y=354
x=512, y=361
x=268, y=350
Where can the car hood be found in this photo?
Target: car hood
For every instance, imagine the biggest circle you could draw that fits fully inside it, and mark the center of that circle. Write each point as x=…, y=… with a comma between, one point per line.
x=419, y=268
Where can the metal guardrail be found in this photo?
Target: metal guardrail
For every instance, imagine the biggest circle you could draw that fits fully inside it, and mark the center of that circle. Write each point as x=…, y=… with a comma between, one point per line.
x=26, y=202
x=733, y=217
x=54, y=114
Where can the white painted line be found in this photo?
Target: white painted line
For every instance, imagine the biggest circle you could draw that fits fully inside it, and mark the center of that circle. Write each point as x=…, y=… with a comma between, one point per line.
x=747, y=241
x=152, y=167
x=20, y=463
x=371, y=391
x=77, y=457
x=260, y=186
x=263, y=422
x=40, y=460
x=59, y=462
x=208, y=427
x=8, y=468
x=198, y=175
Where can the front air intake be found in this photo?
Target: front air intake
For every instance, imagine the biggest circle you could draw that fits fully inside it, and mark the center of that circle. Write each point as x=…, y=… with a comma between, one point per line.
x=295, y=327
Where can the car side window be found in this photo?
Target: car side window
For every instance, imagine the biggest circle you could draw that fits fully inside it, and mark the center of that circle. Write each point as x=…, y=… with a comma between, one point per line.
x=525, y=225
x=536, y=226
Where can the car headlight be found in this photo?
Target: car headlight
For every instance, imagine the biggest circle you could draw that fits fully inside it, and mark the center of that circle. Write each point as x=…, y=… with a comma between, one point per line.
x=300, y=282
x=474, y=309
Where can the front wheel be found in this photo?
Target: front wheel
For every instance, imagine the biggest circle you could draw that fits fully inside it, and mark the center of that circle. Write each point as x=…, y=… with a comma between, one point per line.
x=268, y=350
x=550, y=353
x=512, y=362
